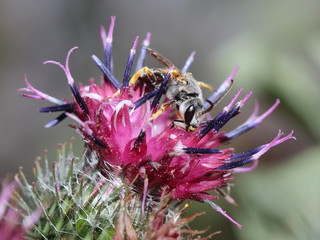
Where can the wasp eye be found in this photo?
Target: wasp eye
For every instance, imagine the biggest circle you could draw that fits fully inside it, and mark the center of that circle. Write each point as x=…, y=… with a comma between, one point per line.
x=189, y=114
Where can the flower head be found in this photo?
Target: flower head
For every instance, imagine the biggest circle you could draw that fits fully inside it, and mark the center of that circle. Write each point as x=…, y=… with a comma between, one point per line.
x=12, y=223
x=134, y=129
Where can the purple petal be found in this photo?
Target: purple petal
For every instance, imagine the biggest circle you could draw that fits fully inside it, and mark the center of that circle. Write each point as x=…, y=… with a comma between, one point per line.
x=107, y=44
x=127, y=72
x=252, y=122
x=201, y=150
x=163, y=85
x=56, y=120
x=223, y=89
x=188, y=62
x=143, y=52
x=220, y=210
x=106, y=72
x=57, y=108
x=79, y=99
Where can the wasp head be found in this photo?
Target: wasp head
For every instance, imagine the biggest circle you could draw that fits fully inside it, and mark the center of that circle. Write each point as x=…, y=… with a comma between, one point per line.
x=191, y=112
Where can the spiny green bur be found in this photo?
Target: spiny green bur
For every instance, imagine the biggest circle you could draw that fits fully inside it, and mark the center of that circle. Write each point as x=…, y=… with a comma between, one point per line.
x=72, y=195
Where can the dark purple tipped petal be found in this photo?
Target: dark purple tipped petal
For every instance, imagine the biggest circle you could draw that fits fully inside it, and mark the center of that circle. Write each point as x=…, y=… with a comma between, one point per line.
x=103, y=36
x=227, y=113
x=239, y=156
x=143, y=52
x=232, y=113
x=108, y=45
x=127, y=72
x=71, y=83
x=66, y=107
x=223, y=89
x=56, y=120
x=106, y=72
x=256, y=154
x=146, y=97
x=252, y=122
x=211, y=124
x=162, y=87
x=202, y=150
x=239, y=131
x=79, y=99
x=188, y=62
x=235, y=164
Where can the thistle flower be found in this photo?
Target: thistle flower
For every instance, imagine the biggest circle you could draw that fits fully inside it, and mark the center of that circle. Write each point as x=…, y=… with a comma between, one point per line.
x=13, y=224
x=131, y=132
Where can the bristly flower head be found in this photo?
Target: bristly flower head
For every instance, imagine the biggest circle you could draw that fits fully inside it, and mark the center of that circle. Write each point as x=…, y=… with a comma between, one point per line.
x=13, y=225
x=130, y=127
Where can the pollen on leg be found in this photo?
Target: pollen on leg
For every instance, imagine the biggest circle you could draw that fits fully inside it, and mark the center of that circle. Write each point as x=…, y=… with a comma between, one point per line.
x=137, y=75
x=112, y=96
x=161, y=110
x=207, y=86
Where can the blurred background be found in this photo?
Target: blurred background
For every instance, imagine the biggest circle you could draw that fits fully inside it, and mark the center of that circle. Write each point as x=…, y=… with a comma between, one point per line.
x=275, y=43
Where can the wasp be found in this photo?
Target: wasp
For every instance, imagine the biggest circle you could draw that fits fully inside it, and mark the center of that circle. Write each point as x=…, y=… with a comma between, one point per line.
x=182, y=90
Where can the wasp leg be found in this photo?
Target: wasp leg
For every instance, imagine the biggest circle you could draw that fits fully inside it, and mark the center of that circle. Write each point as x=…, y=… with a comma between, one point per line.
x=112, y=96
x=204, y=85
x=162, y=108
x=145, y=70
x=138, y=74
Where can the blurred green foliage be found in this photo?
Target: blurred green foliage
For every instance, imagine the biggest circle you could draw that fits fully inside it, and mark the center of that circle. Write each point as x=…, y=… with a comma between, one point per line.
x=282, y=59
x=283, y=202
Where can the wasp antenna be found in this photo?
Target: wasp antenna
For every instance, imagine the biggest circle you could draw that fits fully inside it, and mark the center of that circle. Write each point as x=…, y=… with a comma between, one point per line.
x=209, y=108
x=160, y=58
x=224, y=88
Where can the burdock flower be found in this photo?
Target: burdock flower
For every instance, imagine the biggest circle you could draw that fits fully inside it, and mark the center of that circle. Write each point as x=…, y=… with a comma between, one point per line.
x=145, y=138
